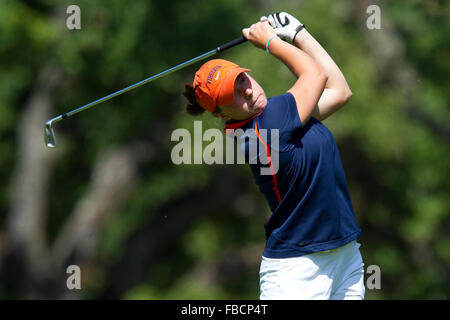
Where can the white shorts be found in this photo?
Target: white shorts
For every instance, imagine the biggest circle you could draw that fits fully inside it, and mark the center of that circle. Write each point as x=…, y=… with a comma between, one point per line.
x=336, y=274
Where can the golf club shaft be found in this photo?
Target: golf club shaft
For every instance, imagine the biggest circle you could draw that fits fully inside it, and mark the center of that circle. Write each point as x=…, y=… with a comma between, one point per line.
x=156, y=76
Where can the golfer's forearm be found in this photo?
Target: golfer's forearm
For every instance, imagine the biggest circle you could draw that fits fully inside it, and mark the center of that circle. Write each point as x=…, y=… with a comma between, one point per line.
x=336, y=80
x=311, y=79
x=299, y=62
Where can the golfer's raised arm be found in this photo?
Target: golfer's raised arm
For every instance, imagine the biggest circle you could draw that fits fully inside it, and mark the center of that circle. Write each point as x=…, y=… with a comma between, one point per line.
x=337, y=91
x=310, y=77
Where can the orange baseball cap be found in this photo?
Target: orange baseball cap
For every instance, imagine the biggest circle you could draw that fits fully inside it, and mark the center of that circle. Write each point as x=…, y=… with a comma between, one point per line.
x=214, y=83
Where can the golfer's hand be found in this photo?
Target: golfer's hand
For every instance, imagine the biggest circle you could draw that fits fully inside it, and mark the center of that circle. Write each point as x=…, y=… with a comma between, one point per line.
x=259, y=34
x=285, y=25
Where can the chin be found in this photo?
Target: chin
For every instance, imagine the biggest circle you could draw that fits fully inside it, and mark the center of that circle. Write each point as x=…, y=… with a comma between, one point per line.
x=261, y=105
x=257, y=109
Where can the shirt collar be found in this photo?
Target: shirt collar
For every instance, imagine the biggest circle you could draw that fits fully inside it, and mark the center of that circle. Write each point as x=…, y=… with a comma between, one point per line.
x=235, y=125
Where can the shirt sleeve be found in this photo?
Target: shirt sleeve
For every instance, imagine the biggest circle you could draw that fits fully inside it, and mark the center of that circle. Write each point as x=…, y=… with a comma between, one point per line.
x=281, y=113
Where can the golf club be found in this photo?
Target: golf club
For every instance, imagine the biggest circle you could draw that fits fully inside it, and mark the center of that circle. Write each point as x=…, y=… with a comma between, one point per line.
x=49, y=135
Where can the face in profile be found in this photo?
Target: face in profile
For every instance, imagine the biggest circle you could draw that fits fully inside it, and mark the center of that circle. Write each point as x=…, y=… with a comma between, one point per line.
x=249, y=99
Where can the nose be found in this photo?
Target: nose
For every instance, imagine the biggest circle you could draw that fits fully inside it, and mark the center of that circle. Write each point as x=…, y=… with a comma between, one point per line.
x=247, y=92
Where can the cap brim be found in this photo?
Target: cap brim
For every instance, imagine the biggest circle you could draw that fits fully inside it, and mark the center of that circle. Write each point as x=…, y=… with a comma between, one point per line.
x=226, y=90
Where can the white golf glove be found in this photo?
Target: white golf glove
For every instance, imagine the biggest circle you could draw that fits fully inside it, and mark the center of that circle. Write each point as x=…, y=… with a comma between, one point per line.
x=285, y=25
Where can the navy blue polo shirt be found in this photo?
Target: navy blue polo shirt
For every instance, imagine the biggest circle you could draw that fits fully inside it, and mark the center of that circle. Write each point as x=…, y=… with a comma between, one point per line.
x=299, y=170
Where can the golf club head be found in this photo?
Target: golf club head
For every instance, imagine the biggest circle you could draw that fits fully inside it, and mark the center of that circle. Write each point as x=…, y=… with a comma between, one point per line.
x=49, y=135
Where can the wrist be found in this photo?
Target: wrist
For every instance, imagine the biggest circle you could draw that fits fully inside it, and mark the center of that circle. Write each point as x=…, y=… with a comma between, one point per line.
x=300, y=38
x=268, y=43
x=298, y=32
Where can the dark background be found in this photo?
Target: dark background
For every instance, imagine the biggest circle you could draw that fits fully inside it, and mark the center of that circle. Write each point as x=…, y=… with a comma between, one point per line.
x=110, y=200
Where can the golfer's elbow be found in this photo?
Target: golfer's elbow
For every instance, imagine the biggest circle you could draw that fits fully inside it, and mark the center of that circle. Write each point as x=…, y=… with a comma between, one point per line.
x=347, y=95
x=341, y=99
x=344, y=96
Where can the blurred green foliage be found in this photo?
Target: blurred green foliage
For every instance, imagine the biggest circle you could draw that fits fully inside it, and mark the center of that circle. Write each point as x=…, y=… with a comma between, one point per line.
x=397, y=163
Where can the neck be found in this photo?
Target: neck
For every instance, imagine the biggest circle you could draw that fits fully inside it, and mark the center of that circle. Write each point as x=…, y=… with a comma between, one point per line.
x=249, y=117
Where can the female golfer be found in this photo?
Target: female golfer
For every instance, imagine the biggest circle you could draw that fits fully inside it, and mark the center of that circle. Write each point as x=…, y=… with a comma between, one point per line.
x=311, y=250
